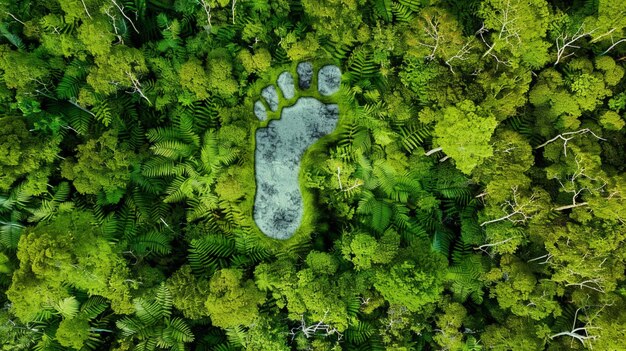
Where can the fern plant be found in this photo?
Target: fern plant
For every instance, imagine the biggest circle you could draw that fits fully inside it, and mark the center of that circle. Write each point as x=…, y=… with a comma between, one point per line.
x=152, y=327
x=213, y=252
x=363, y=70
x=384, y=198
x=49, y=207
x=75, y=322
x=72, y=81
x=464, y=276
x=190, y=165
x=12, y=38
x=13, y=209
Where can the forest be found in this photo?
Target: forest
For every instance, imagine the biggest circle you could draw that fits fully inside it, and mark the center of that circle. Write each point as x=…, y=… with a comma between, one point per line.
x=327, y=175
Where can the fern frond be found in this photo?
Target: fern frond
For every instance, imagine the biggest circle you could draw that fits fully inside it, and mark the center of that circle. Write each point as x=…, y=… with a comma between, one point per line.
x=68, y=307
x=151, y=243
x=73, y=79
x=172, y=149
x=466, y=276
x=210, y=252
x=378, y=213
x=413, y=5
x=413, y=136
x=185, y=129
x=442, y=241
x=10, y=231
x=79, y=120
x=158, y=135
x=359, y=333
x=12, y=38
x=202, y=207
x=48, y=208
x=236, y=336
x=150, y=313
x=131, y=326
x=102, y=111
x=177, y=331
x=93, y=307
x=402, y=13
x=383, y=9
x=160, y=167
x=18, y=198
x=361, y=66
x=164, y=300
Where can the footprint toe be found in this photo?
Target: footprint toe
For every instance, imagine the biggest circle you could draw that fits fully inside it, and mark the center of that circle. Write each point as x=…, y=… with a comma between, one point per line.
x=328, y=80
x=271, y=96
x=259, y=111
x=285, y=83
x=305, y=74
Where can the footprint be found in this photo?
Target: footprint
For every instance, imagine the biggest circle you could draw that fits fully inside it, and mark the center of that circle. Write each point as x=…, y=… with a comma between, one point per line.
x=278, y=205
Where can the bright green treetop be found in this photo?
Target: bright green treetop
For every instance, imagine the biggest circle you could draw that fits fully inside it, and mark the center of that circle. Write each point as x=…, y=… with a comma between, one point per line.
x=464, y=132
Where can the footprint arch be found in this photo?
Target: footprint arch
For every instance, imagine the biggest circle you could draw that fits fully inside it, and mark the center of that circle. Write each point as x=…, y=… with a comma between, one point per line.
x=280, y=145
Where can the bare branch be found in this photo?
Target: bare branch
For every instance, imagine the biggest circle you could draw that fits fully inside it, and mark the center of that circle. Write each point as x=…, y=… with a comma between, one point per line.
x=207, y=9
x=581, y=333
x=587, y=284
x=567, y=207
x=547, y=257
x=311, y=330
x=15, y=18
x=516, y=212
x=339, y=178
x=566, y=137
x=499, y=61
x=73, y=102
x=357, y=183
x=614, y=45
x=506, y=33
x=572, y=187
x=566, y=41
x=482, y=247
x=435, y=150
x=460, y=55
x=137, y=87
x=432, y=30
x=85, y=6
x=121, y=9
x=596, y=39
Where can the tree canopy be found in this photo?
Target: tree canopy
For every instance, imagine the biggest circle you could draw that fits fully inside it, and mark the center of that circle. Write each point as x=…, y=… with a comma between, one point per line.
x=472, y=196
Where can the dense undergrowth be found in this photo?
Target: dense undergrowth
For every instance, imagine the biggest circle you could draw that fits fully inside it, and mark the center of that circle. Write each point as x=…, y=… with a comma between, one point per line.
x=472, y=197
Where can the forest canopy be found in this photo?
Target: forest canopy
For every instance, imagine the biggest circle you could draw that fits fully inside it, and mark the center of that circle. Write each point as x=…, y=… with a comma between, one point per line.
x=471, y=197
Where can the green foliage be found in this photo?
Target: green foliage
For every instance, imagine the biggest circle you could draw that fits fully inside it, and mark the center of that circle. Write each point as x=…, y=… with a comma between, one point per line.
x=414, y=285
x=24, y=156
x=49, y=262
x=472, y=196
x=153, y=326
x=101, y=166
x=232, y=301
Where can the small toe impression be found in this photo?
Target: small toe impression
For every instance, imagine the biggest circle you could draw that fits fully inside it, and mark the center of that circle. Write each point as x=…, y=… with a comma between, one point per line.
x=305, y=74
x=259, y=111
x=328, y=80
x=271, y=96
x=285, y=83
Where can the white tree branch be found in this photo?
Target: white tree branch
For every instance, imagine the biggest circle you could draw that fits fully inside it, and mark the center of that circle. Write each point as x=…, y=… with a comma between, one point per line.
x=566, y=137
